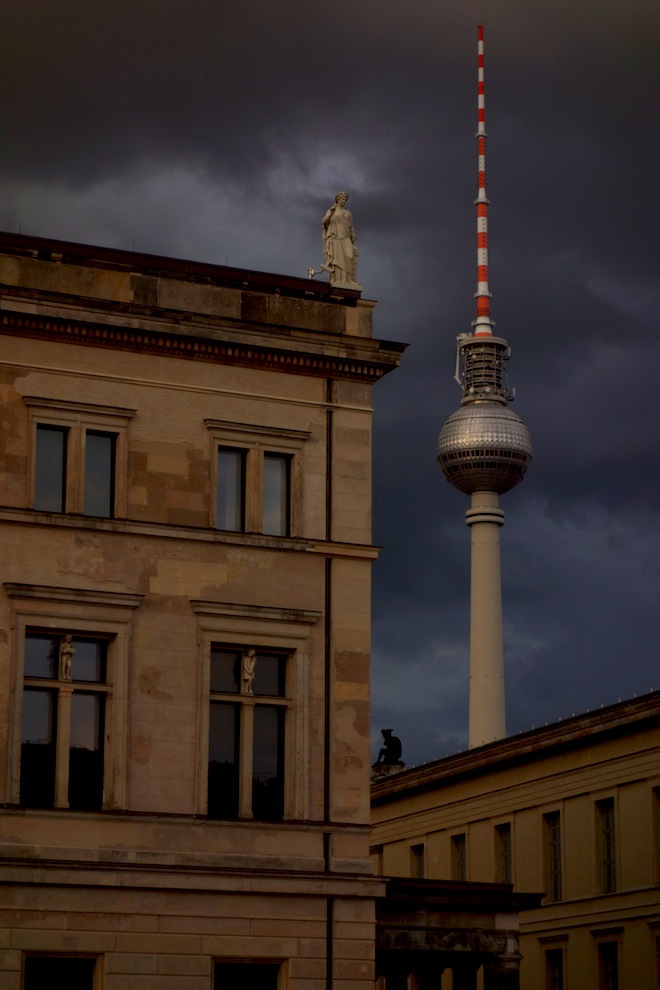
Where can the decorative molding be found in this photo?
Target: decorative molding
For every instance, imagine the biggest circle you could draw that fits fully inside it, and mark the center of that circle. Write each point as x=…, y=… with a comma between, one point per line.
x=269, y=613
x=169, y=344
x=225, y=426
x=44, y=592
x=86, y=408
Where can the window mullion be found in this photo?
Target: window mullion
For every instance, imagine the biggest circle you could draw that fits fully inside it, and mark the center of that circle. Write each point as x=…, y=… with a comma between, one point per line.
x=246, y=760
x=63, y=746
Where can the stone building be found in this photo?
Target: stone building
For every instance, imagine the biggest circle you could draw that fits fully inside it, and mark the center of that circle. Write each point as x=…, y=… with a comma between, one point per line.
x=185, y=527
x=572, y=809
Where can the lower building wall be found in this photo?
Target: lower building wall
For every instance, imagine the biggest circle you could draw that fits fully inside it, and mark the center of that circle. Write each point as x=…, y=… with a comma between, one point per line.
x=148, y=938
x=622, y=932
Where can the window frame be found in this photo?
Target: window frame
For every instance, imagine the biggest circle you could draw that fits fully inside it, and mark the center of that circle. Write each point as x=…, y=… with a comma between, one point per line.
x=553, y=856
x=277, y=969
x=609, y=947
x=247, y=705
x=256, y=442
x=504, y=852
x=91, y=614
x=418, y=860
x=459, y=856
x=267, y=630
x=555, y=967
x=79, y=419
x=63, y=957
x=65, y=691
x=606, y=845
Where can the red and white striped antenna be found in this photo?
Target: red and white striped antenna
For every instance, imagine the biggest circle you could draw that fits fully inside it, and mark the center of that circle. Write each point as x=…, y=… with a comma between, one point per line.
x=483, y=325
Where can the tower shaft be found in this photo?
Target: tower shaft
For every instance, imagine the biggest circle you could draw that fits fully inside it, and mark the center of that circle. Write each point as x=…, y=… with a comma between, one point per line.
x=487, y=704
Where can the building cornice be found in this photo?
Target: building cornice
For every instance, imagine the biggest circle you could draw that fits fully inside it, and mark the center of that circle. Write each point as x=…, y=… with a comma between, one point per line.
x=362, y=359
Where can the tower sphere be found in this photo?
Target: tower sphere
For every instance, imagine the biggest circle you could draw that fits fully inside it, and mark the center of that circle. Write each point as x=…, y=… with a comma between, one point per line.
x=484, y=447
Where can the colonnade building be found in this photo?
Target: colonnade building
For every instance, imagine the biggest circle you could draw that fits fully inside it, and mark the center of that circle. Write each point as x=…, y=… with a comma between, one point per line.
x=572, y=810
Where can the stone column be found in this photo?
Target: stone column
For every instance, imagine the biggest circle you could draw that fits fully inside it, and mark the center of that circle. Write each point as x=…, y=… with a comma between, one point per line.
x=487, y=714
x=63, y=746
x=503, y=973
x=246, y=745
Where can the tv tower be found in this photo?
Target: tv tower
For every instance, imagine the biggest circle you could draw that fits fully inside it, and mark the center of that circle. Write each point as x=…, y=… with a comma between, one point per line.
x=484, y=450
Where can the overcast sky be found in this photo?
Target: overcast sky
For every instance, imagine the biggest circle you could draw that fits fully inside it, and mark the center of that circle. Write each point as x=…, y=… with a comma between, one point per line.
x=221, y=131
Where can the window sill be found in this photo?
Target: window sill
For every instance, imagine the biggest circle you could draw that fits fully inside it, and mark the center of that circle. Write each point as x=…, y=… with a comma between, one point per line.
x=170, y=531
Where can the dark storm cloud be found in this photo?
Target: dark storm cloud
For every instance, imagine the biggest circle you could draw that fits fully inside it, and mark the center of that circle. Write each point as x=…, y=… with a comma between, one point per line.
x=221, y=132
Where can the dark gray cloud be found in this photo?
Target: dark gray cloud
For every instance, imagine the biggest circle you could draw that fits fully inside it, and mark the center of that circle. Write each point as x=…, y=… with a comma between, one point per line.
x=221, y=132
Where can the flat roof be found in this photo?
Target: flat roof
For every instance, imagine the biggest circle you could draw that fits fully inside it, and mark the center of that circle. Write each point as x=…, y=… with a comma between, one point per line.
x=589, y=728
x=154, y=264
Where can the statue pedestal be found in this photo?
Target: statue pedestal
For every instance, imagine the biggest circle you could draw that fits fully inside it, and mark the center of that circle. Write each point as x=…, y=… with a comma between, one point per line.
x=346, y=285
x=380, y=770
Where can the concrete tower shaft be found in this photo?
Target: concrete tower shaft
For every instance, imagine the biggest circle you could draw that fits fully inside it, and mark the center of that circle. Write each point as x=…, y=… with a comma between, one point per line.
x=484, y=450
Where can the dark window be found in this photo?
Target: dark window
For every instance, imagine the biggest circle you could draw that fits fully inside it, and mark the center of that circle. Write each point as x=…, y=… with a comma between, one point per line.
x=270, y=675
x=99, y=474
x=417, y=864
x=50, y=469
x=268, y=763
x=224, y=723
x=86, y=751
x=231, y=490
x=553, y=870
x=607, y=845
x=276, y=494
x=245, y=976
x=504, y=853
x=38, y=748
x=554, y=969
x=246, y=734
x=58, y=971
x=459, y=857
x=608, y=966
x=58, y=697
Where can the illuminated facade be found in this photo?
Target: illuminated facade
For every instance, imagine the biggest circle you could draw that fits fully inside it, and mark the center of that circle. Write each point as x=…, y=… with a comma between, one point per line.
x=185, y=521
x=572, y=810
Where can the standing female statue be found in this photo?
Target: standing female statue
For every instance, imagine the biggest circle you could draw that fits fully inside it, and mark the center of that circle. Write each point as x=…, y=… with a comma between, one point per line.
x=339, y=242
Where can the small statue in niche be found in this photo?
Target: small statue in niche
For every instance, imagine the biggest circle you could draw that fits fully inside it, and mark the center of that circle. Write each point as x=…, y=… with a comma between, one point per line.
x=67, y=650
x=390, y=752
x=248, y=671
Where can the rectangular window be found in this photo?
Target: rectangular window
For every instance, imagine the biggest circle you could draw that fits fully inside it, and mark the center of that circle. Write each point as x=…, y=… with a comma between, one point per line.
x=459, y=857
x=504, y=853
x=655, y=798
x=64, y=699
x=552, y=855
x=417, y=864
x=80, y=457
x=59, y=971
x=100, y=474
x=554, y=969
x=248, y=707
x=251, y=976
x=276, y=494
x=607, y=844
x=231, y=490
x=258, y=478
x=608, y=966
x=50, y=468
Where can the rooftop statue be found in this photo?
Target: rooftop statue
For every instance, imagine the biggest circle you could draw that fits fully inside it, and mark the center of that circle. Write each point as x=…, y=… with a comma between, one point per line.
x=390, y=753
x=339, y=248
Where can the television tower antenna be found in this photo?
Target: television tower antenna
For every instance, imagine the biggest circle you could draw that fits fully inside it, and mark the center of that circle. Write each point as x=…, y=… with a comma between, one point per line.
x=484, y=449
